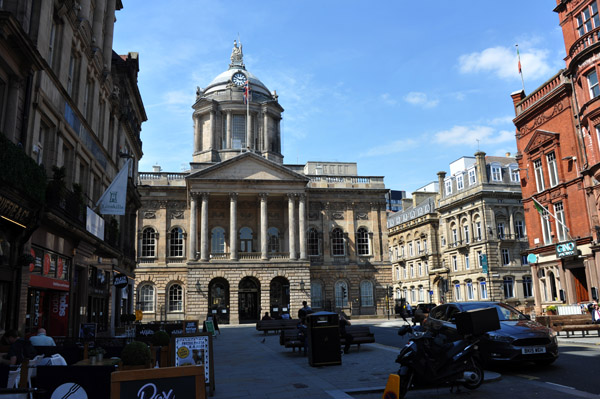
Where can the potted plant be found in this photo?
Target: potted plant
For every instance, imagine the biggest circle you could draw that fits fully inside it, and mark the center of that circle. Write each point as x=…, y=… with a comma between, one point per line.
x=551, y=309
x=136, y=355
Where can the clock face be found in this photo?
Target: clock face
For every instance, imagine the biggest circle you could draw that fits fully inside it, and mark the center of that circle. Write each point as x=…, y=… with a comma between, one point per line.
x=239, y=79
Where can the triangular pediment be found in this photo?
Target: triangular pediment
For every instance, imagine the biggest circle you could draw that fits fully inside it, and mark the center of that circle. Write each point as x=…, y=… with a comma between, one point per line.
x=247, y=166
x=539, y=139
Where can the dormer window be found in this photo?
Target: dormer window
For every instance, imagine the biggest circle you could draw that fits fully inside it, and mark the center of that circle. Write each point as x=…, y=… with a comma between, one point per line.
x=472, y=177
x=496, y=173
x=448, y=185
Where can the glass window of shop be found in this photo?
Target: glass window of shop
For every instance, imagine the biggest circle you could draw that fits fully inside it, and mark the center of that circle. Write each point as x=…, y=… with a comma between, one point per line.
x=98, y=297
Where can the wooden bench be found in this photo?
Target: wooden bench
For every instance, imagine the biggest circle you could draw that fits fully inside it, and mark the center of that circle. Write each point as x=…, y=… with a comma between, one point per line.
x=569, y=323
x=276, y=325
x=360, y=335
x=289, y=339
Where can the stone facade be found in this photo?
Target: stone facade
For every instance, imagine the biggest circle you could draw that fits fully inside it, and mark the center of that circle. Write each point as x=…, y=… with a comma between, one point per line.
x=241, y=233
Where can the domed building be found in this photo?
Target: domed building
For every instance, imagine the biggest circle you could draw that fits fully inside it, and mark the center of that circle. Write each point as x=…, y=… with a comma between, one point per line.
x=241, y=233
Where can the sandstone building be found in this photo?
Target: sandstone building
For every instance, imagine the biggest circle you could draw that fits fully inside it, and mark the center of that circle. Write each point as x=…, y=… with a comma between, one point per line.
x=241, y=233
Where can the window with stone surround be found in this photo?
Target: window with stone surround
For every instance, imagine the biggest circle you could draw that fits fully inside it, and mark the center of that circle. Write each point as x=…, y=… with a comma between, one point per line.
x=314, y=242
x=176, y=242
x=362, y=242
x=587, y=19
x=175, y=298
x=148, y=243
x=508, y=284
x=338, y=244
x=552, y=169
x=273, y=234
x=316, y=294
x=366, y=293
x=341, y=294
x=147, y=297
x=217, y=240
x=539, y=175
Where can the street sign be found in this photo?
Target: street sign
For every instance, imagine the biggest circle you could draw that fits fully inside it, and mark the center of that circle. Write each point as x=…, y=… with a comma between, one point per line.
x=532, y=258
x=484, y=263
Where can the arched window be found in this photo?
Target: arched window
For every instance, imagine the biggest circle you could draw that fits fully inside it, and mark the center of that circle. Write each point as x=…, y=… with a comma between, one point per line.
x=149, y=242
x=338, y=247
x=316, y=294
x=245, y=239
x=147, y=298
x=273, y=234
x=341, y=294
x=362, y=242
x=314, y=244
x=482, y=289
x=457, y=291
x=470, y=292
x=366, y=293
x=217, y=240
x=176, y=242
x=175, y=298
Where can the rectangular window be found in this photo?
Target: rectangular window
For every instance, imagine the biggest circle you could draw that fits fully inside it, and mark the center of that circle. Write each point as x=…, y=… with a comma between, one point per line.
x=483, y=290
x=524, y=260
x=467, y=262
x=412, y=270
x=588, y=19
x=425, y=246
x=448, y=187
x=496, y=173
x=397, y=273
x=51, y=43
x=508, y=285
x=514, y=175
x=552, y=170
x=520, y=229
x=592, y=79
x=470, y=296
x=527, y=287
x=546, y=229
x=478, y=230
x=500, y=229
x=459, y=182
x=454, y=263
x=420, y=268
x=454, y=236
x=410, y=249
x=238, y=140
x=539, y=175
x=457, y=292
x=466, y=233
x=505, y=256
x=472, y=177
x=71, y=75
x=479, y=259
x=421, y=294
x=404, y=271
x=561, y=228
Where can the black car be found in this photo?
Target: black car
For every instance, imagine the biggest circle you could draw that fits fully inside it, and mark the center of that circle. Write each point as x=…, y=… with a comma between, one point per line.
x=422, y=311
x=518, y=339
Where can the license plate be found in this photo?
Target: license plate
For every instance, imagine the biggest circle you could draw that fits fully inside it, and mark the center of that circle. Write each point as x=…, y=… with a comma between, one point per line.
x=533, y=349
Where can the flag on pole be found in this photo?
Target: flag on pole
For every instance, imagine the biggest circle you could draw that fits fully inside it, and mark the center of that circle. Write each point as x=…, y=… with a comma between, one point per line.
x=519, y=57
x=247, y=92
x=543, y=211
x=112, y=202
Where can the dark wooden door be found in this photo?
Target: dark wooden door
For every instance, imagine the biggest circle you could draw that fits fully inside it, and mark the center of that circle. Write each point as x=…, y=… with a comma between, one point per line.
x=580, y=281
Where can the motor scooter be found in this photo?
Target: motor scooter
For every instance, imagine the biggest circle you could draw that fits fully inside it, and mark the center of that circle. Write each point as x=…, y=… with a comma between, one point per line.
x=429, y=359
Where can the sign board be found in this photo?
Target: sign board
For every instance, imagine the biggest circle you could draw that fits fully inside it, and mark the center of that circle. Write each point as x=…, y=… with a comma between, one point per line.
x=210, y=327
x=195, y=350
x=166, y=382
x=484, y=264
x=566, y=249
x=148, y=329
x=120, y=280
x=532, y=258
x=87, y=331
x=190, y=326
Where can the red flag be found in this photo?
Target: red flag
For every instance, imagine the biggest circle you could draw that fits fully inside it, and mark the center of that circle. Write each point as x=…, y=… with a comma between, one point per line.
x=519, y=57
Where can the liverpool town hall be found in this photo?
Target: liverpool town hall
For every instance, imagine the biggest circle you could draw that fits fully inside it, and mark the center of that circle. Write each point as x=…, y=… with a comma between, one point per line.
x=241, y=233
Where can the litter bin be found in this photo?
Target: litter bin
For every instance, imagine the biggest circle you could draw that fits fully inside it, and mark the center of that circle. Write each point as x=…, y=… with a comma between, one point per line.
x=323, y=339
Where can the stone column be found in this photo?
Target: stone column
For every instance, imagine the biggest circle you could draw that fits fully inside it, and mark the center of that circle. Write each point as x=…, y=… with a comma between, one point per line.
x=204, y=228
x=108, y=33
x=193, y=226
x=213, y=125
x=537, y=288
x=292, y=225
x=197, y=134
x=471, y=229
x=97, y=24
x=233, y=226
x=228, y=133
x=511, y=223
x=266, y=132
x=84, y=13
x=302, y=225
x=264, y=223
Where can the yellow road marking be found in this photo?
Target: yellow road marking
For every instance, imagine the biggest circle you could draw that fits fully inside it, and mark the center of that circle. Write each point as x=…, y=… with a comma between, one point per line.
x=529, y=377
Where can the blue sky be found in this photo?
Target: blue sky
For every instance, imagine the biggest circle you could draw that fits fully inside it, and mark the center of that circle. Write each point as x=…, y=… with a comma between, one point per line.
x=403, y=88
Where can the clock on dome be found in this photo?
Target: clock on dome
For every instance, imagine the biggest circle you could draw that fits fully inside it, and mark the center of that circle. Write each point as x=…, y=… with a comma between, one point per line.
x=238, y=79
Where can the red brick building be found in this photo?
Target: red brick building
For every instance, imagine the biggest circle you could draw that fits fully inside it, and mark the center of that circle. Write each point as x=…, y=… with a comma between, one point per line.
x=558, y=131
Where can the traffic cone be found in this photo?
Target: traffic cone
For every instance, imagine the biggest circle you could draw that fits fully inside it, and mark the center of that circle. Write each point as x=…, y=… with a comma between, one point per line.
x=392, y=388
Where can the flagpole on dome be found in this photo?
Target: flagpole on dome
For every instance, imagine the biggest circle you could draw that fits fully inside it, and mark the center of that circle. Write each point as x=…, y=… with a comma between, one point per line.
x=520, y=70
x=247, y=101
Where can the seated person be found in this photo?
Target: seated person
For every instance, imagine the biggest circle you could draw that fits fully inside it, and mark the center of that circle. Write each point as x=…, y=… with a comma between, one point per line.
x=285, y=316
x=266, y=316
x=19, y=348
x=41, y=339
x=302, y=332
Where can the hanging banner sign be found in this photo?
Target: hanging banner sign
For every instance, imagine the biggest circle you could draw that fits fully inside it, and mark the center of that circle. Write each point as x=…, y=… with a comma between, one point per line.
x=120, y=281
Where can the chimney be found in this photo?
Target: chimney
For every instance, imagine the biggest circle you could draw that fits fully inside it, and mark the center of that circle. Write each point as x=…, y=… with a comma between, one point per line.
x=406, y=203
x=481, y=171
x=517, y=97
x=441, y=177
x=156, y=169
x=508, y=155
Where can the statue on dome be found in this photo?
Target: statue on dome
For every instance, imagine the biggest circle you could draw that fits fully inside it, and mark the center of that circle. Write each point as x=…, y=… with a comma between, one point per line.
x=237, y=55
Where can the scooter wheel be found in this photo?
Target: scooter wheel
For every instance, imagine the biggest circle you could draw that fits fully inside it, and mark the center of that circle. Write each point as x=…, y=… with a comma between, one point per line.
x=405, y=382
x=476, y=368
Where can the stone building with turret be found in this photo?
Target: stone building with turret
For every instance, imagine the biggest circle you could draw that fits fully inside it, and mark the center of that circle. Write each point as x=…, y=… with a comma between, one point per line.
x=241, y=233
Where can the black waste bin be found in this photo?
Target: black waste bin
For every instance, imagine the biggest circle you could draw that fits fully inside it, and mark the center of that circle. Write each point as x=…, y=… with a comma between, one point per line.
x=323, y=339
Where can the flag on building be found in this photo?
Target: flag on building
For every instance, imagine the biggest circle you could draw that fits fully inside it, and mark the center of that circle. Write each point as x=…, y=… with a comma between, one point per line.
x=540, y=208
x=519, y=57
x=112, y=202
x=247, y=92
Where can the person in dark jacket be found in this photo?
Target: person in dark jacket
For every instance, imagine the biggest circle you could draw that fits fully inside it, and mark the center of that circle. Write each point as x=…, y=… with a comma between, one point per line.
x=19, y=348
x=343, y=323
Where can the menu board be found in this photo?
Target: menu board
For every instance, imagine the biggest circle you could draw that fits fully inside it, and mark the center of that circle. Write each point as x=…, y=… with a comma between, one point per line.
x=194, y=349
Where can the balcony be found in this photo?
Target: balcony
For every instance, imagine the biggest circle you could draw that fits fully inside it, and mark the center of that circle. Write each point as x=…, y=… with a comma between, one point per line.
x=585, y=41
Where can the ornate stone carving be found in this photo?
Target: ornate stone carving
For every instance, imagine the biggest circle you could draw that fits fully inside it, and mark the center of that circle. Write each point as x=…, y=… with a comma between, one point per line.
x=337, y=215
x=177, y=215
x=150, y=215
x=362, y=216
x=543, y=118
x=237, y=56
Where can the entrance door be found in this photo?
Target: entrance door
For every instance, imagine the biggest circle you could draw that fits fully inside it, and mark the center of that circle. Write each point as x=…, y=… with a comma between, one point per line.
x=249, y=300
x=580, y=281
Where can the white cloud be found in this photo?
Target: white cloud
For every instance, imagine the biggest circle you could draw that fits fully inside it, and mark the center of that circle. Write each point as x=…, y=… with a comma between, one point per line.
x=390, y=148
x=503, y=62
x=388, y=99
x=468, y=135
x=419, y=98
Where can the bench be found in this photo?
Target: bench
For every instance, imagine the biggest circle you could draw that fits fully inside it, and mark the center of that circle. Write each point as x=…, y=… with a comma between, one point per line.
x=289, y=339
x=276, y=325
x=569, y=323
x=360, y=335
